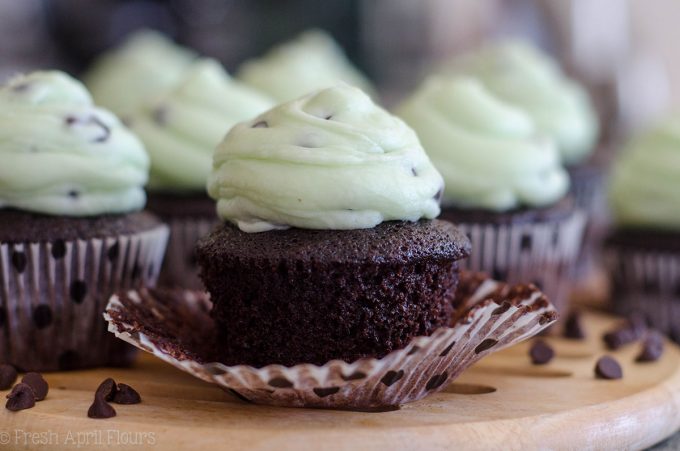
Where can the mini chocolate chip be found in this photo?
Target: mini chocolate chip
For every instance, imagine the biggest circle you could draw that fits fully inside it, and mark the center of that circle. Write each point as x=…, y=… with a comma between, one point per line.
x=126, y=395
x=42, y=316
x=58, y=249
x=261, y=124
x=70, y=120
x=620, y=337
x=19, y=261
x=608, y=368
x=73, y=194
x=113, y=252
x=391, y=377
x=541, y=353
x=355, y=376
x=413, y=350
x=485, y=345
x=438, y=195
x=160, y=115
x=329, y=117
x=280, y=382
x=37, y=383
x=107, y=389
x=447, y=349
x=436, y=381
x=652, y=348
x=78, y=291
x=8, y=375
x=413, y=171
x=21, y=397
x=573, y=327
x=101, y=409
x=322, y=392
x=504, y=307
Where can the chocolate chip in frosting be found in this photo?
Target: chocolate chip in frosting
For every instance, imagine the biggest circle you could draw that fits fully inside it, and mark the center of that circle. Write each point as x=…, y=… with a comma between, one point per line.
x=329, y=117
x=21, y=87
x=91, y=120
x=413, y=171
x=160, y=115
x=73, y=194
x=261, y=124
x=438, y=195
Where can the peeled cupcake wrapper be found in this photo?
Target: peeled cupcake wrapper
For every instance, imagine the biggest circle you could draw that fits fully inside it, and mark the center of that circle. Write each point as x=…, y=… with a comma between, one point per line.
x=543, y=253
x=174, y=326
x=53, y=295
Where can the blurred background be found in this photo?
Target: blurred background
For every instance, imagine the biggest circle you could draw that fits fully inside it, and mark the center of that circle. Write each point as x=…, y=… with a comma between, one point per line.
x=622, y=50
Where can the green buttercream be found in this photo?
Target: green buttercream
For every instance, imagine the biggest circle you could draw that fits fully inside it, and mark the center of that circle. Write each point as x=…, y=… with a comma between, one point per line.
x=145, y=65
x=488, y=151
x=329, y=160
x=310, y=62
x=181, y=128
x=645, y=183
x=62, y=155
x=524, y=77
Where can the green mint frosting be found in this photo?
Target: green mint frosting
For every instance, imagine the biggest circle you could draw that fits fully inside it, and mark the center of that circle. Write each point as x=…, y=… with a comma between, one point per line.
x=645, y=182
x=182, y=126
x=526, y=78
x=329, y=160
x=488, y=151
x=62, y=155
x=145, y=65
x=310, y=62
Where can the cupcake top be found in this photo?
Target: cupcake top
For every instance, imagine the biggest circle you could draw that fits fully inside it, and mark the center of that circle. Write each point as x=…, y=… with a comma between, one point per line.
x=645, y=183
x=488, y=151
x=523, y=77
x=310, y=62
x=182, y=126
x=61, y=155
x=329, y=160
x=146, y=64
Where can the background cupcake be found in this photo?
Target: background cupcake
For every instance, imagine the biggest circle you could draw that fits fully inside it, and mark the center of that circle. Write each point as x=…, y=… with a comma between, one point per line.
x=504, y=183
x=643, y=251
x=311, y=61
x=71, y=186
x=180, y=129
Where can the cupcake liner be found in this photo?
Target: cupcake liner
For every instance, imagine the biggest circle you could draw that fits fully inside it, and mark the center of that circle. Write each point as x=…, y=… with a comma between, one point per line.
x=646, y=282
x=53, y=293
x=179, y=267
x=543, y=253
x=177, y=328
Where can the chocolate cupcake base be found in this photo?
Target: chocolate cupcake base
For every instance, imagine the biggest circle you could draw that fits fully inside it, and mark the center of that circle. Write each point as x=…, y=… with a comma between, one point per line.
x=176, y=327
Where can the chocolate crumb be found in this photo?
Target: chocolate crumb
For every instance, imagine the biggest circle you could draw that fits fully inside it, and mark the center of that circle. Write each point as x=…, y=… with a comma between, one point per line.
x=573, y=326
x=652, y=348
x=608, y=368
x=20, y=398
x=126, y=395
x=107, y=389
x=37, y=384
x=100, y=408
x=8, y=375
x=541, y=353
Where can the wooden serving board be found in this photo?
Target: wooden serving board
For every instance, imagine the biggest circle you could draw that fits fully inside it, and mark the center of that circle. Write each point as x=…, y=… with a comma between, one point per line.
x=503, y=402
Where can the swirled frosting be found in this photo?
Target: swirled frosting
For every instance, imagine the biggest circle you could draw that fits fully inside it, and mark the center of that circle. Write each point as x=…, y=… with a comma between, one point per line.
x=645, y=182
x=144, y=66
x=329, y=160
x=523, y=77
x=310, y=62
x=488, y=151
x=181, y=128
x=62, y=155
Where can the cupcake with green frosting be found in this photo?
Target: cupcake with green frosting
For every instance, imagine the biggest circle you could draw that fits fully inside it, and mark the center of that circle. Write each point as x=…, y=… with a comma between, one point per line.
x=643, y=251
x=71, y=226
x=311, y=61
x=146, y=64
x=505, y=185
x=180, y=129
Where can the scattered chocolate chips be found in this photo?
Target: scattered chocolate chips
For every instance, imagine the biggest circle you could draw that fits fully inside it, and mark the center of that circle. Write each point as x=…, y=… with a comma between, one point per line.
x=632, y=329
x=20, y=398
x=573, y=326
x=8, y=375
x=541, y=353
x=39, y=385
x=100, y=408
x=107, y=390
x=126, y=395
x=652, y=348
x=608, y=368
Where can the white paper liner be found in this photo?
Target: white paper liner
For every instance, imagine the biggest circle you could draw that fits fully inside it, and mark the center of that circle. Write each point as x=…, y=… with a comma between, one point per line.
x=179, y=267
x=543, y=253
x=646, y=282
x=425, y=366
x=52, y=295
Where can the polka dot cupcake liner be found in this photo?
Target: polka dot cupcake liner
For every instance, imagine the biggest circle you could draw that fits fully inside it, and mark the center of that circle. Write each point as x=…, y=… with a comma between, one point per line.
x=543, y=252
x=176, y=327
x=52, y=295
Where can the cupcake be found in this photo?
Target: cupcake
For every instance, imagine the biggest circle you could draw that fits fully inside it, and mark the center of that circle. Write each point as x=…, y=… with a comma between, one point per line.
x=180, y=129
x=71, y=230
x=145, y=65
x=643, y=251
x=505, y=185
x=311, y=61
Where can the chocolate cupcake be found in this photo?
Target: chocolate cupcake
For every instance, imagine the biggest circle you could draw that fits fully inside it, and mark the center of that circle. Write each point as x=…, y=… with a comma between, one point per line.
x=505, y=185
x=643, y=251
x=329, y=250
x=180, y=129
x=71, y=187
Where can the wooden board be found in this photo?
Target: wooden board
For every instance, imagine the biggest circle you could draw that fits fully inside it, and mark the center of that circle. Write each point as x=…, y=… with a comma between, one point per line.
x=503, y=402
